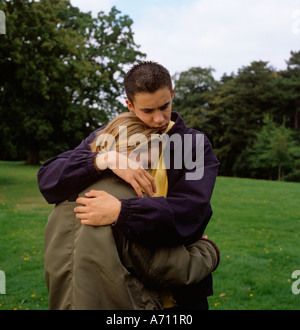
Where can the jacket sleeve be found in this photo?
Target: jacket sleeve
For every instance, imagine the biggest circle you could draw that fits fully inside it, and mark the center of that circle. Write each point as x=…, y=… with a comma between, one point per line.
x=170, y=267
x=68, y=173
x=178, y=219
x=181, y=217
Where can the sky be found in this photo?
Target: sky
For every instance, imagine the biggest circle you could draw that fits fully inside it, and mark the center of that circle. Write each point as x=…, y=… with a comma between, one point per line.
x=225, y=35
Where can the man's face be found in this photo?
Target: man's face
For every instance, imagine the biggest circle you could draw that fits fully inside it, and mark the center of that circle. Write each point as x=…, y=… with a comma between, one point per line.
x=154, y=109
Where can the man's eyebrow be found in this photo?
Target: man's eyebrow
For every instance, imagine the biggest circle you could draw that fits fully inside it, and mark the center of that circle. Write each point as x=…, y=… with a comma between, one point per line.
x=151, y=109
x=165, y=105
x=147, y=109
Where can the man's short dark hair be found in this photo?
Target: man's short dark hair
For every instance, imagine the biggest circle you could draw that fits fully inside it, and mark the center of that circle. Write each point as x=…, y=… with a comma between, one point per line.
x=146, y=77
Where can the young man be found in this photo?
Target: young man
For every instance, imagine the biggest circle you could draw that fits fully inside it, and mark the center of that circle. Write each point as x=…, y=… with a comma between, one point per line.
x=181, y=217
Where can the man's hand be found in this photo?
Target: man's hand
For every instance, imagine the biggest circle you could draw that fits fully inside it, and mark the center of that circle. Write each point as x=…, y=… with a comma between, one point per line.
x=98, y=209
x=128, y=170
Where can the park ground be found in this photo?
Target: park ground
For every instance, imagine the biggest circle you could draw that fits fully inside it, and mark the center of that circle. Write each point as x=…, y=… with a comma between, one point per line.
x=256, y=225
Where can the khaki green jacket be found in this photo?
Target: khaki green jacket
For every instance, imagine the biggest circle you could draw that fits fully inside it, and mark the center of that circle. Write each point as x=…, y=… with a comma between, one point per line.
x=86, y=269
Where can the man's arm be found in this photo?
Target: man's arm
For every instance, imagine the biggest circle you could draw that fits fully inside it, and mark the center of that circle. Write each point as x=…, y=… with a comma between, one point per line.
x=64, y=176
x=169, y=266
x=68, y=173
x=180, y=218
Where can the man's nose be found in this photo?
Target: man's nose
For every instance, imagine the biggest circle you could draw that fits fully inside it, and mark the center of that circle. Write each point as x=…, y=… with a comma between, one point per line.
x=158, y=117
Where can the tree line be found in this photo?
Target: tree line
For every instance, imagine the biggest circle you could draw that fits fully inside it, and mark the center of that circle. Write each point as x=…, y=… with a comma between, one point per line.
x=61, y=75
x=252, y=118
x=61, y=78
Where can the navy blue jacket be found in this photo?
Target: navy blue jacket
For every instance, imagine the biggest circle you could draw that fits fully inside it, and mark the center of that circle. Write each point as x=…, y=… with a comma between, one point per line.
x=181, y=218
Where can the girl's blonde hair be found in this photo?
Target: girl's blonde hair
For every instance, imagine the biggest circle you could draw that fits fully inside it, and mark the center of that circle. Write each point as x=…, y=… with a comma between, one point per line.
x=134, y=127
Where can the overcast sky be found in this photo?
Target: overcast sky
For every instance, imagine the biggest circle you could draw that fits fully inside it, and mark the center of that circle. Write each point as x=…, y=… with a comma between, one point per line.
x=223, y=34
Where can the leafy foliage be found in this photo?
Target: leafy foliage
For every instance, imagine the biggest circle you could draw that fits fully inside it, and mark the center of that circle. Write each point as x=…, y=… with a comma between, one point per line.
x=61, y=74
x=233, y=111
x=61, y=78
x=275, y=147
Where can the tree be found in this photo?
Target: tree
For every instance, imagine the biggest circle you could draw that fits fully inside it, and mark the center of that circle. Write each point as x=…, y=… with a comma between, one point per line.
x=232, y=111
x=289, y=84
x=61, y=73
x=193, y=92
x=275, y=148
x=240, y=103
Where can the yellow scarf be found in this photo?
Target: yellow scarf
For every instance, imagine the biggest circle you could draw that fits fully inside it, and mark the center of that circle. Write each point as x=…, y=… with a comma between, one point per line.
x=160, y=173
x=161, y=181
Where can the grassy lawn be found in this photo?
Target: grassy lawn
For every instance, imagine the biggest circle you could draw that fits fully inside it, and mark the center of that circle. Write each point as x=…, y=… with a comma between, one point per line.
x=23, y=215
x=255, y=223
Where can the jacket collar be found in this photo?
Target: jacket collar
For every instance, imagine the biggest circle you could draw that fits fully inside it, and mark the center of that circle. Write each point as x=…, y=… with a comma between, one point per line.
x=179, y=126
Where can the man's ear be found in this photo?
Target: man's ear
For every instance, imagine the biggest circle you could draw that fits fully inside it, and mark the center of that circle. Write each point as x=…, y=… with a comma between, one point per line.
x=130, y=106
x=172, y=94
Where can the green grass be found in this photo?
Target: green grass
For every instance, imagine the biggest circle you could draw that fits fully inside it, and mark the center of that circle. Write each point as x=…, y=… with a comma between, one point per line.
x=23, y=215
x=256, y=224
